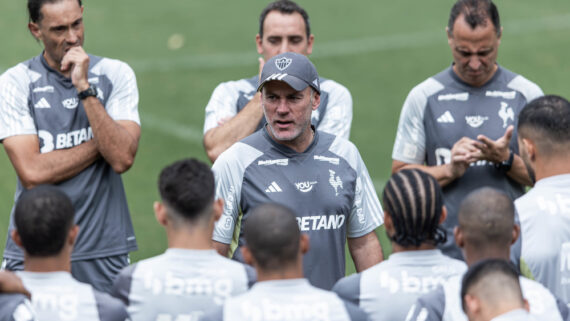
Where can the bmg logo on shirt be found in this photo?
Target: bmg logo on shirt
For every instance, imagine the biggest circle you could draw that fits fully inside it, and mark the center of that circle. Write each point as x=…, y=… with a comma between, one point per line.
x=64, y=305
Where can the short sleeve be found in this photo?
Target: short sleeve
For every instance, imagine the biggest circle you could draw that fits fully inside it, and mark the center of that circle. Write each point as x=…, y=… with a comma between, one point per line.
x=222, y=105
x=410, y=143
x=366, y=214
x=15, y=117
x=337, y=119
x=124, y=99
x=228, y=171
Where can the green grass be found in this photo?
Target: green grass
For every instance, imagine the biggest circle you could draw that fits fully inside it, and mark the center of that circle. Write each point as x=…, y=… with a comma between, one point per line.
x=378, y=49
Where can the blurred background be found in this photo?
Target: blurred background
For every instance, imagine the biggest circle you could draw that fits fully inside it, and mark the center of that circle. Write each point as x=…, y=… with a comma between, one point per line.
x=181, y=49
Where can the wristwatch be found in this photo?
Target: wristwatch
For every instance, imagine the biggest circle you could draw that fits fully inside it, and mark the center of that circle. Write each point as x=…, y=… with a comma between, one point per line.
x=91, y=91
x=506, y=165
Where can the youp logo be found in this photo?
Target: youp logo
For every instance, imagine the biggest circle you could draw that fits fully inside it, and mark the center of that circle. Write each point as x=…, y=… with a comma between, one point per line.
x=283, y=63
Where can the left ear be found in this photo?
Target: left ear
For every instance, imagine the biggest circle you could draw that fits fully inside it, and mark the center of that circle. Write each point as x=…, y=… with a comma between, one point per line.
x=316, y=101
x=443, y=214
x=160, y=213
x=16, y=238
x=304, y=243
x=472, y=304
x=73, y=232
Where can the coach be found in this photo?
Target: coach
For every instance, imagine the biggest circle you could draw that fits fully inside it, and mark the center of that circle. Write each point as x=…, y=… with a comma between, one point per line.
x=234, y=110
x=320, y=176
x=71, y=119
x=458, y=124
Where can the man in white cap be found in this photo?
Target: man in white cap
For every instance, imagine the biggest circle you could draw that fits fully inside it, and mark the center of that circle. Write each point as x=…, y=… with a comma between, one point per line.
x=321, y=176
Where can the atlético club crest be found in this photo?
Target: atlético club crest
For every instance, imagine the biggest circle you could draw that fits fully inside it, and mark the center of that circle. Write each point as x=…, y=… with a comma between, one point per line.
x=283, y=63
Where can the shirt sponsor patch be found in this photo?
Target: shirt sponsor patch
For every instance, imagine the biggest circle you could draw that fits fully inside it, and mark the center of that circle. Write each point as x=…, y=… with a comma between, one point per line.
x=305, y=187
x=280, y=162
x=70, y=103
x=320, y=222
x=332, y=160
x=458, y=96
x=501, y=94
x=45, y=89
x=475, y=121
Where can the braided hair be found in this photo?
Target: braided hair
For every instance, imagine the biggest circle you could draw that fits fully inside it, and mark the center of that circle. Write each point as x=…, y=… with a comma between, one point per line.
x=414, y=201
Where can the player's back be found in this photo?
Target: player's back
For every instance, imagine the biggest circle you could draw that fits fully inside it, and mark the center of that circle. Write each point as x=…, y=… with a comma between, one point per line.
x=180, y=284
x=445, y=303
x=544, y=216
x=57, y=296
x=387, y=290
x=291, y=299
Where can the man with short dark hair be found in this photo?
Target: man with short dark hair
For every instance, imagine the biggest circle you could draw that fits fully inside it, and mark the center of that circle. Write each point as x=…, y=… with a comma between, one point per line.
x=458, y=124
x=71, y=119
x=486, y=230
x=190, y=277
x=234, y=110
x=413, y=212
x=544, y=213
x=490, y=291
x=289, y=162
x=45, y=231
x=275, y=247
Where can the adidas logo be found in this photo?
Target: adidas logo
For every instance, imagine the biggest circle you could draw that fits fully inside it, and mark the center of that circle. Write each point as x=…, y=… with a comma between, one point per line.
x=446, y=118
x=316, y=82
x=273, y=188
x=42, y=103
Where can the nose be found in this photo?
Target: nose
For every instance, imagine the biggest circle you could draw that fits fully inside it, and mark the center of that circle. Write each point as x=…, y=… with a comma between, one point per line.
x=474, y=63
x=284, y=47
x=282, y=107
x=72, y=36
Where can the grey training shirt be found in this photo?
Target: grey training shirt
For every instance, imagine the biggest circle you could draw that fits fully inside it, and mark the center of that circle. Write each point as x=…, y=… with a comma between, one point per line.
x=37, y=100
x=327, y=186
x=441, y=110
x=180, y=284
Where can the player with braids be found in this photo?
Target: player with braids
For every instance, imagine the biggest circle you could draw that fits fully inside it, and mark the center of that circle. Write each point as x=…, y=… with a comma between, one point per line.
x=413, y=212
x=415, y=204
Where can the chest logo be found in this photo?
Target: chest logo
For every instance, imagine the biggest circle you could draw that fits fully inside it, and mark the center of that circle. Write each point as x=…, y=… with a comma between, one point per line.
x=273, y=188
x=70, y=103
x=446, y=118
x=475, y=121
x=283, y=63
x=305, y=186
x=506, y=113
x=280, y=162
x=42, y=103
x=335, y=182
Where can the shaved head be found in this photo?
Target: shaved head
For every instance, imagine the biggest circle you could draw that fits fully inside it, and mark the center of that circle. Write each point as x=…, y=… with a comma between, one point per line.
x=272, y=236
x=495, y=284
x=486, y=218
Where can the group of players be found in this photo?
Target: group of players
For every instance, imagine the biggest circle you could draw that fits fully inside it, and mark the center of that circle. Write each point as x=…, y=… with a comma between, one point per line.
x=287, y=190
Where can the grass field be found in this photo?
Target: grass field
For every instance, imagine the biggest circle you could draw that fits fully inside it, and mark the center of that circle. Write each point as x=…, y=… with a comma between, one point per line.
x=378, y=49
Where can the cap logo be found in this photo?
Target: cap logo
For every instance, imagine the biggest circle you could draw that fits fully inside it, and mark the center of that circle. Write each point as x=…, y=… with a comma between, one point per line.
x=316, y=82
x=283, y=63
